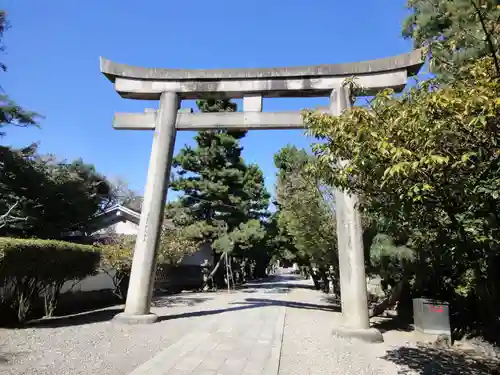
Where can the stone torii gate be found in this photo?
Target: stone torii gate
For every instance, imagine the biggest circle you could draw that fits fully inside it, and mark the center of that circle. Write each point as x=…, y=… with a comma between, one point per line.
x=170, y=86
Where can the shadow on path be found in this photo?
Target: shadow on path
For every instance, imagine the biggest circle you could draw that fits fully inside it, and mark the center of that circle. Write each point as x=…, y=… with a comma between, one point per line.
x=275, y=284
x=178, y=301
x=392, y=324
x=87, y=317
x=252, y=303
x=431, y=361
x=293, y=304
x=106, y=314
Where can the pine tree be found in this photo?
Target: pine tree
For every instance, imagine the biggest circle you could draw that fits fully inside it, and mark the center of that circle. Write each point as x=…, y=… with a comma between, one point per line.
x=457, y=31
x=226, y=197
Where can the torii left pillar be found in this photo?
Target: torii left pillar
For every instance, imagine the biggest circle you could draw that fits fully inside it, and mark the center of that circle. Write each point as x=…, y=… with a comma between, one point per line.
x=140, y=289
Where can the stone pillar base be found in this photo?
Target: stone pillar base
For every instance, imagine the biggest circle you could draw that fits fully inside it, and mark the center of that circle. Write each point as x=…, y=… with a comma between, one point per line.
x=371, y=335
x=124, y=318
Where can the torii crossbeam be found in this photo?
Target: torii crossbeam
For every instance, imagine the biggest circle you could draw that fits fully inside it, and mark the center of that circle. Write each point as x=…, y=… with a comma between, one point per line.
x=171, y=86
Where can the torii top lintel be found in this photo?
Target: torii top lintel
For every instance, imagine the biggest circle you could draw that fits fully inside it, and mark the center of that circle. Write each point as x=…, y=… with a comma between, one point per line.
x=317, y=80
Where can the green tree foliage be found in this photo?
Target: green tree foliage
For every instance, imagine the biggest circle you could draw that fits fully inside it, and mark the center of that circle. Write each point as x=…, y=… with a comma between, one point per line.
x=225, y=197
x=10, y=112
x=279, y=242
x=14, y=115
x=457, y=31
x=306, y=211
x=426, y=165
x=117, y=252
x=179, y=237
x=389, y=260
x=43, y=197
x=220, y=191
x=395, y=264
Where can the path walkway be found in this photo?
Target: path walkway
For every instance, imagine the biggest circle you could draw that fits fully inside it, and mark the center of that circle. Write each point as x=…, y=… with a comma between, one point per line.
x=281, y=326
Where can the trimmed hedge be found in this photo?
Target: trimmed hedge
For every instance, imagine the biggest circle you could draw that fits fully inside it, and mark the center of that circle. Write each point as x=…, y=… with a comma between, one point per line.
x=31, y=269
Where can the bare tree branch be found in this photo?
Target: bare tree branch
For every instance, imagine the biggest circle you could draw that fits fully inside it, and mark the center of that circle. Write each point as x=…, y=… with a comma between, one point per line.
x=7, y=217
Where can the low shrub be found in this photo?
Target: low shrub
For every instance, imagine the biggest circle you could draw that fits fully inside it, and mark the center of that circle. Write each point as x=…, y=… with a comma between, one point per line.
x=31, y=269
x=116, y=261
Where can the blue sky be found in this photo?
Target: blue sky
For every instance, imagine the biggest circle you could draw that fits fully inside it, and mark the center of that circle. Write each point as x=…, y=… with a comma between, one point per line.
x=53, y=51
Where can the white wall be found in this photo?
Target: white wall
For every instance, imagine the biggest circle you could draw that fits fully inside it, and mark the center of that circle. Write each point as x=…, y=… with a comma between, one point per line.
x=126, y=227
x=103, y=281
x=121, y=227
x=100, y=281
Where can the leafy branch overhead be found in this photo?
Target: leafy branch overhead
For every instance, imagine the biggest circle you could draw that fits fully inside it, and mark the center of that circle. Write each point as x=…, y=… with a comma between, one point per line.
x=427, y=148
x=10, y=112
x=457, y=31
x=425, y=166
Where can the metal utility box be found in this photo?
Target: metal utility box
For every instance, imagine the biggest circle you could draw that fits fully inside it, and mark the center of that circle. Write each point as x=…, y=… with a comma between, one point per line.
x=431, y=316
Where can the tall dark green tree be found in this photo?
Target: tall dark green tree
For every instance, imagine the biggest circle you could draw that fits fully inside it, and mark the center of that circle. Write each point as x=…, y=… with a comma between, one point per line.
x=306, y=212
x=42, y=197
x=226, y=197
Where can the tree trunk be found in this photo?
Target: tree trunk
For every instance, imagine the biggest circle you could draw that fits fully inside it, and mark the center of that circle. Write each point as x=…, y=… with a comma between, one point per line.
x=391, y=300
x=324, y=279
x=315, y=278
x=211, y=275
x=333, y=285
x=304, y=272
x=51, y=296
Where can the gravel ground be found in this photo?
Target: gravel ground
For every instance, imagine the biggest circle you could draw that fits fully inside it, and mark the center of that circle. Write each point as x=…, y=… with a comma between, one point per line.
x=92, y=344
x=310, y=348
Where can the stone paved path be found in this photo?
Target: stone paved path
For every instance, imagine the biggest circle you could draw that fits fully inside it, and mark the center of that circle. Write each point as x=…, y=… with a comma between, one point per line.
x=246, y=340
x=276, y=327
x=282, y=326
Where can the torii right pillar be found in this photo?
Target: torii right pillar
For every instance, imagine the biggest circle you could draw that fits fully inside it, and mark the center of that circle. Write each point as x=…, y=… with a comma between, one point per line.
x=353, y=291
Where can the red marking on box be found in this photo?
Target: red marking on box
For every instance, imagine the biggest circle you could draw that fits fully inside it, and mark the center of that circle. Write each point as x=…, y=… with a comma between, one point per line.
x=438, y=308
